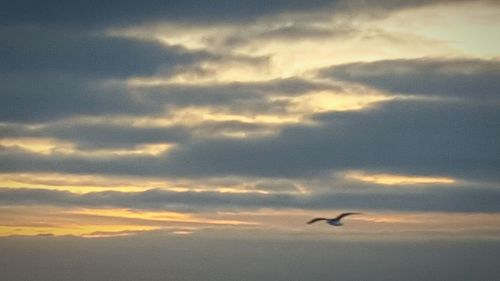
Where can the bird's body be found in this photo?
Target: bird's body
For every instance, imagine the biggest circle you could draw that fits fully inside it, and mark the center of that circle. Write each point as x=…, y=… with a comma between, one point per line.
x=333, y=221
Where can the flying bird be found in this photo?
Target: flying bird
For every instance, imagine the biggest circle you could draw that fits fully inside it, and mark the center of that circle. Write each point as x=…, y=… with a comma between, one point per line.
x=335, y=221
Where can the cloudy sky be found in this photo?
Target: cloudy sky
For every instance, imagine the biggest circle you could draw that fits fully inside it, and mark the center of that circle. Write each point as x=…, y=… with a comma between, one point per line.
x=183, y=122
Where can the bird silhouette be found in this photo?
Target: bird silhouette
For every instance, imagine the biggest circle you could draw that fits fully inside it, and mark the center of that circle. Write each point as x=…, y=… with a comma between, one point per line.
x=333, y=221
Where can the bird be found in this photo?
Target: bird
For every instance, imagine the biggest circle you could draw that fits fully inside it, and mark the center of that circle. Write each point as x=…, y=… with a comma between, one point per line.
x=333, y=221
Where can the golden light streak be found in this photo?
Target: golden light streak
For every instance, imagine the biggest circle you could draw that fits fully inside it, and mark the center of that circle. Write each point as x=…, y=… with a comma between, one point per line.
x=136, y=214
x=74, y=230
x=196, y=116
x=240, y=190
x=158, y=216
x=328, y=101
x=93, y=183
x=395, y=179
x=78, y=183
x=144, y=149
x=44, y=146
x=182, y=232
x=48, y=146
x=250, y=118
x=86, y=222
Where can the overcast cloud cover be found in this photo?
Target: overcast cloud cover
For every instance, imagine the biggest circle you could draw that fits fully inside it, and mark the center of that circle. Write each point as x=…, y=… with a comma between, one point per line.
x=162, y=119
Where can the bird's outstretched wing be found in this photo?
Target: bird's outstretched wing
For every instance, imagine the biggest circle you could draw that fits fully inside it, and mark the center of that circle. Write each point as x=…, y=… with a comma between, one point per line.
x=345, y=215
x=315, y=220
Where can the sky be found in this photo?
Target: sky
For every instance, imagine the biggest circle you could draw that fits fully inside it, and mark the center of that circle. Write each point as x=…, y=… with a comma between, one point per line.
x=198, y=137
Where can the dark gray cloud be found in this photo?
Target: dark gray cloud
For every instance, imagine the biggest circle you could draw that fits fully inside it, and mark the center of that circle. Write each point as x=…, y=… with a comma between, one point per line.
x=429, y=199
x=115, y=136
x=41, y=97
x=16, y=160
x=80, y=13
x=109, y=135
x=112, y=13
x=35, y=50
x=470, y=79
x=402, y=136
x=49, y=74
x=51, y=96
x=220, y=93
x=236, y=97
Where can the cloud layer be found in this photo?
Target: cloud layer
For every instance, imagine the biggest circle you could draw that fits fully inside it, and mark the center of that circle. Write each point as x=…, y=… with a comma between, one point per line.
x=409, y=137
x=78, y=13
x=193, y=106
x=437, y=199
x=470, y=79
